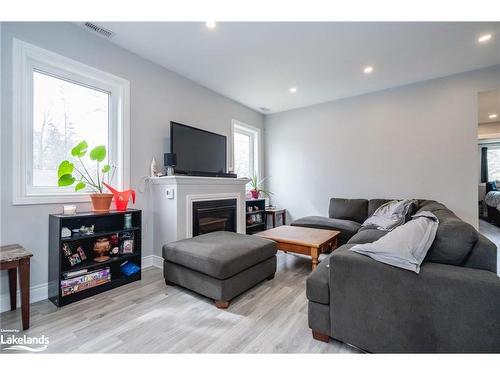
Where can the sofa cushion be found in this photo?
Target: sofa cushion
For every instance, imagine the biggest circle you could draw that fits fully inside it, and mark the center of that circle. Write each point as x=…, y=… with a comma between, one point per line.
x=317, y=284
x=347, y=228
x=367, y=235
x=454, y=239
x=349, y=209
x=219, y=254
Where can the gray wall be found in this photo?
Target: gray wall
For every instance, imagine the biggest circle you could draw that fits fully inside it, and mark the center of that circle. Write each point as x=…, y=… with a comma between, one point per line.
x=156, y=97
x=417, y=141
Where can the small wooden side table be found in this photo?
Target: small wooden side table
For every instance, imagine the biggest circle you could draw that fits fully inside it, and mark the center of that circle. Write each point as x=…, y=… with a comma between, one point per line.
x=276, y=212
x=13, y=257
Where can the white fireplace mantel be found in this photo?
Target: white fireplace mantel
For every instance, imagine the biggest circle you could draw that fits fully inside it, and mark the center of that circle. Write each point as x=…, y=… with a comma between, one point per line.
x=171, y=200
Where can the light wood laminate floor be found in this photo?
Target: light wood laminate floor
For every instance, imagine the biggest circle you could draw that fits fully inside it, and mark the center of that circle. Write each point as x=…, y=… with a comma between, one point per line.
x=150, y=317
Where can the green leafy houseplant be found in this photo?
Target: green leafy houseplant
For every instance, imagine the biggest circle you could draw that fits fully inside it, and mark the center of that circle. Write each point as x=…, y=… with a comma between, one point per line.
x=256, y=187
x=69, y=174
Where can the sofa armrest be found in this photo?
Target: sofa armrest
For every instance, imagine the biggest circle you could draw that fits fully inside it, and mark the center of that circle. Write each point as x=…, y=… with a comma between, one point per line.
x=381, y=308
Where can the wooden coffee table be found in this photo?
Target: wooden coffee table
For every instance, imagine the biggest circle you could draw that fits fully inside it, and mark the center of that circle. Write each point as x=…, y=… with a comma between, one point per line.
x=306, y=241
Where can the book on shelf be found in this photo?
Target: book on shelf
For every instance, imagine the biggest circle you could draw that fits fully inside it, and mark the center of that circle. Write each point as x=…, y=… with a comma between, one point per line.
x=71, y=274
x=86, y=281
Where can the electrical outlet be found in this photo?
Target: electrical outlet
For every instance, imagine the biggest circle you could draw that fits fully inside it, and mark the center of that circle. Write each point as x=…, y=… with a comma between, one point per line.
x=170, y=193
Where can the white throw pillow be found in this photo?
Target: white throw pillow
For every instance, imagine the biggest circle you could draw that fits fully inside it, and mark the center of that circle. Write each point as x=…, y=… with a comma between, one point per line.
x=407, y=245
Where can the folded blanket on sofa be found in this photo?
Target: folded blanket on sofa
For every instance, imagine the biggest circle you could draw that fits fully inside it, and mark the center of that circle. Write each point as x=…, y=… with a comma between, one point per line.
x=407, y=245
x=390, y=215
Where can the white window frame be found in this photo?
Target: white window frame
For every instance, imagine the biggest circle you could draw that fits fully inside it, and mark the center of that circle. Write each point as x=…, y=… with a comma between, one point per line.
x=27, y=58
x=256, y=151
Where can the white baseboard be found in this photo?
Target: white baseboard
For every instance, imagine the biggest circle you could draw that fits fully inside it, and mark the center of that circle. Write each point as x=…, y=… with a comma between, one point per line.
x=37, y=293
x=41, y=291
x=152, y=261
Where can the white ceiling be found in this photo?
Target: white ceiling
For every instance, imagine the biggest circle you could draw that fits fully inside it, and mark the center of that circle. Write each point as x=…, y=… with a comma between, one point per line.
x=255, y=63
x=489, y=103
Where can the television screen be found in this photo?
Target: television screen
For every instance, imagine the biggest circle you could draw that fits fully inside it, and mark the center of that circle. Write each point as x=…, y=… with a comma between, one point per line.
x=198, y=151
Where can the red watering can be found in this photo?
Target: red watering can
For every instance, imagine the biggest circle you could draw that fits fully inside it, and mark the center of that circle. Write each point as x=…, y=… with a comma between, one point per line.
x=121, y=197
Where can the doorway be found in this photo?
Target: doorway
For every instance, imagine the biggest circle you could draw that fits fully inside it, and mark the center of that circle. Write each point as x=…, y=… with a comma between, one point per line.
x=488, y=135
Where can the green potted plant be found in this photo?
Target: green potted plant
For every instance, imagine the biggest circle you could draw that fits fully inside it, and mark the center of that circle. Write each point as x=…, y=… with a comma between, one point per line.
x=256, y=187
x=69, y=174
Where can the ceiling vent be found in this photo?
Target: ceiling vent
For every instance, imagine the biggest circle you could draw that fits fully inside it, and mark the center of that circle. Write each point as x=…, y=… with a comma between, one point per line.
x=99, y=30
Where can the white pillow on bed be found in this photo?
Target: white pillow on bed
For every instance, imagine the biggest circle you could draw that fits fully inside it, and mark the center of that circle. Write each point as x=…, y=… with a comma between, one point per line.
x=406, y=246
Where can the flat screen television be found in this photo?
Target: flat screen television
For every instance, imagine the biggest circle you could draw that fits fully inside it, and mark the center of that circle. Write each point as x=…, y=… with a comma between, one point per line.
x=199, y=152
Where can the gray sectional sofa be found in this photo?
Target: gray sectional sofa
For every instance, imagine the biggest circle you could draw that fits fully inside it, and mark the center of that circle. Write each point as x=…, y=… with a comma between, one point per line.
x=452, y=305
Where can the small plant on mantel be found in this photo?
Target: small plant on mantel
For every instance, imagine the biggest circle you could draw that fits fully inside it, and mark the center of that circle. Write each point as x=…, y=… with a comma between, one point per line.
x=69, y=174
x=256, y=187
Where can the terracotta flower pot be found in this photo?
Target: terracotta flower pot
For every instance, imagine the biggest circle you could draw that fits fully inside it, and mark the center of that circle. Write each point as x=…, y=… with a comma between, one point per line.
x=101, y=202
x=255, y=194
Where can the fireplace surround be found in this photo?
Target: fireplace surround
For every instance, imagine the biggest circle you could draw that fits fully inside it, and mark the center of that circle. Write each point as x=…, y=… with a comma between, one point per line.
x=172, y=199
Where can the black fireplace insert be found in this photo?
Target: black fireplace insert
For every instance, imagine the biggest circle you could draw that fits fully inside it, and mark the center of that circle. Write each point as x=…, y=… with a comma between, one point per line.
x=214, y=215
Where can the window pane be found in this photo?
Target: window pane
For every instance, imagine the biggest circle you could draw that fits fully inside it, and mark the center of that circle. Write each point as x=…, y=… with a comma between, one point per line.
x=242, y=144
x=64, y=113
x=493, y=164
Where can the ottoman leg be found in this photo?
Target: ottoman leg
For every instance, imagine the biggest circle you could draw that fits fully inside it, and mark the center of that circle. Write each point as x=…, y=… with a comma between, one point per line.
x=320, y=336
x=221, y=304
x=270, y=277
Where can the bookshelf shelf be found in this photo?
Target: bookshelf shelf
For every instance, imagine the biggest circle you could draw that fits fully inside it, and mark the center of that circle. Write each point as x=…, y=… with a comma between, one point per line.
x=89, y=276
x=256, y=218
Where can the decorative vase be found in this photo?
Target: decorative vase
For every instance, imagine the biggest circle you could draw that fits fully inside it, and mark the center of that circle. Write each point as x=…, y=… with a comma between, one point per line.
x=255, y=194
x=101, y=202
x=101, y=246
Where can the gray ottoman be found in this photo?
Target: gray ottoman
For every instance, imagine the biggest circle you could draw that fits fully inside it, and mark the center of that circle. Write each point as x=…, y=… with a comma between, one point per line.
x=219, y=265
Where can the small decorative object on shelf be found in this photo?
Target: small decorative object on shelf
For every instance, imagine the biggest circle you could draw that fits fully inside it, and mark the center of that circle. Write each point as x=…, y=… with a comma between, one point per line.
x=128, y=221
x=80, y=251
x=65, y=232
x=170, y=161
x=129, y=268
x=74, y=259
x=86, y=230
x=69, y=209
x=74, y=274
x=101, y=246
x=127, y=243
x=121, y=197
x=66, y=249
x=153, y=169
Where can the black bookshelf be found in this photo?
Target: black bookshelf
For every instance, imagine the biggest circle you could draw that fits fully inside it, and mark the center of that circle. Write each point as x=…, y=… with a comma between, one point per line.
x=255, y=215
x=105, y=226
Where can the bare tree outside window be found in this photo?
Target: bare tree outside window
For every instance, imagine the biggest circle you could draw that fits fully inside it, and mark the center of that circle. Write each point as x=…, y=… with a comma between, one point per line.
x=242, y=144
x=64, y=113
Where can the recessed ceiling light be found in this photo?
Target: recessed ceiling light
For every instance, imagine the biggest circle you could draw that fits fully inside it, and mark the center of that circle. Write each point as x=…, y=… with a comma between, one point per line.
x=210, y=24
x=368, y=69
x=484, y=38
x=293, y=89
x=492, y=115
